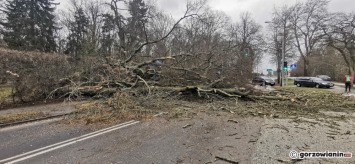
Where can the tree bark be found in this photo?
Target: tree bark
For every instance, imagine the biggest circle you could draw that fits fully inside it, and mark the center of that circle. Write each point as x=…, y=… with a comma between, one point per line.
x=305, y=68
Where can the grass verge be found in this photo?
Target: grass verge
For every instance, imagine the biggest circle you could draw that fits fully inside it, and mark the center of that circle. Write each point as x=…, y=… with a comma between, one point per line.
x=5, y=93
x=23, y=116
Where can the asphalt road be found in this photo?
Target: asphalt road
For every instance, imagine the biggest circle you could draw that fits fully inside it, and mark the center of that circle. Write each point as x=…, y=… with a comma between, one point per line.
x=341, y=89
x=198, y=140
x=155, y=141
x=20, y=139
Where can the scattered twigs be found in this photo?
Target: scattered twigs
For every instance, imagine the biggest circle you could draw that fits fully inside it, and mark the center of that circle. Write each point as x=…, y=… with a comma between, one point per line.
x=268, y=97
x=187, y=125
x=234, y=121
x=226, y=160
x=146, y=84
x=52, y=93
x=215, y=82
x=13, y=74
x=222, y=92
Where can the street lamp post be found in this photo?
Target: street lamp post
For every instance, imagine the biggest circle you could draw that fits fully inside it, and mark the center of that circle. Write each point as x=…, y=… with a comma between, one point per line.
x=283, y=59
x=283, y=49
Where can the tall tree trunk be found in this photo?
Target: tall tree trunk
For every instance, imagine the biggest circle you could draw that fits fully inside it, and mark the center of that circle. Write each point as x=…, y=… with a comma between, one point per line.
x=278, y=70
x=305, y=68
x=352, y=72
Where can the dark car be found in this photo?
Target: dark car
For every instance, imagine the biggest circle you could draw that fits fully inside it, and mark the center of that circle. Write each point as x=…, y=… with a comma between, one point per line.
x=324, y=77
x=299, y=80
x=312, y=82
x=263, y=81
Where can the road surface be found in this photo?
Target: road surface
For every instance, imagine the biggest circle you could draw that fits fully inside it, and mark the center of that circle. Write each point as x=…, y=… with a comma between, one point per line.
x=156, y=141
x=206, y=138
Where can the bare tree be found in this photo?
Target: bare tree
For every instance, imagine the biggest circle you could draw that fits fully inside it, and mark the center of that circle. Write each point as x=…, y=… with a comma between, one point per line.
x=2, y=19
x=94, y=10
x=201, y=38
x=307, y=20
x=281, y=38
x=131, y=49
x=340, y=34
x=248, y=43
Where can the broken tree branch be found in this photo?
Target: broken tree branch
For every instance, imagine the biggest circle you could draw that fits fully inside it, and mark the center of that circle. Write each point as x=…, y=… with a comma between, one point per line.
x=146, y=84
x=226, y=160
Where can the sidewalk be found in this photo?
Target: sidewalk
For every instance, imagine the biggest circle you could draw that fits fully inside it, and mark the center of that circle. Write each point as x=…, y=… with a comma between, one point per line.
x=349, y=94
x=339, y=84
x=49, y=109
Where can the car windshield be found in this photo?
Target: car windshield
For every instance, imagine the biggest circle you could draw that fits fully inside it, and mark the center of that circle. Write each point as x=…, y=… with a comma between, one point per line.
x=323, y=76
x=266, y=78
x=317, y=79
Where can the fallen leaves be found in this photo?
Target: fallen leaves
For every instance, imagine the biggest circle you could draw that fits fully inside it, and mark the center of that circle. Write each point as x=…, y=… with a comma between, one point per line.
x=295, y=102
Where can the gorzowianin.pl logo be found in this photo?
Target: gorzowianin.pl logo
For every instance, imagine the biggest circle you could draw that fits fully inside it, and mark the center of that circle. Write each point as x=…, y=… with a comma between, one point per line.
x=327, y=154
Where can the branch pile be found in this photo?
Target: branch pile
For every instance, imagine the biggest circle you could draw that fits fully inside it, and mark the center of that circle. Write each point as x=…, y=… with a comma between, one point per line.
x=300, y=101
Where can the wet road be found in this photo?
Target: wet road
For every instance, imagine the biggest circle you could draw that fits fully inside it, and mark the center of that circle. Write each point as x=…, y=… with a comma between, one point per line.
x=20, y=139
x=153, y=141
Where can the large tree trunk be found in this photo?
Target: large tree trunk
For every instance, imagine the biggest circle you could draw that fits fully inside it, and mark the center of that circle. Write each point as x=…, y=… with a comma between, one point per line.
x=278, y=70
x=305, y=68
x=352, y=72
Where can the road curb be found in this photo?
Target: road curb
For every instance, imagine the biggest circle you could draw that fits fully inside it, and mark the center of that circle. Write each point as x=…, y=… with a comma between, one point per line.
x=3, y=125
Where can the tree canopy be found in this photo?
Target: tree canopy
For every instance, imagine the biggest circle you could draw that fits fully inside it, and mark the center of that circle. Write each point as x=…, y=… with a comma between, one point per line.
x=30, y=25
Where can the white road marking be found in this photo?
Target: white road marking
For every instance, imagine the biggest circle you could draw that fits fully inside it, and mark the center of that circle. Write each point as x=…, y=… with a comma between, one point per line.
x=30, y=152
x=52, y=147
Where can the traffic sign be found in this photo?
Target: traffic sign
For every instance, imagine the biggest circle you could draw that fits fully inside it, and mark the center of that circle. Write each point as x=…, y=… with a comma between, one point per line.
x=293, y=66
x=269, y=70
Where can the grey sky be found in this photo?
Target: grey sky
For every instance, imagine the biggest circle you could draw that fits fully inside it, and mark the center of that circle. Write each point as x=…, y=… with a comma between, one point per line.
x=260, y=9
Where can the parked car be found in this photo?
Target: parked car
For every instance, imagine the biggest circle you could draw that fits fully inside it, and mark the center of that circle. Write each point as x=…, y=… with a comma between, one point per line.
x=260, y=80
x=312, y=82
x=324, y=77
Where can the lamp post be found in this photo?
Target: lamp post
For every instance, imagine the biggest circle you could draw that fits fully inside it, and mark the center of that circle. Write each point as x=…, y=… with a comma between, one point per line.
x=285, y=72
x=283, y=49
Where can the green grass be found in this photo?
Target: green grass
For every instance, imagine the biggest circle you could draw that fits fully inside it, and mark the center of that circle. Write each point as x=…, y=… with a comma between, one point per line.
x=290, y=82
x=307, y=90
x=22, y=116
x=291, y=87
x=5, y=92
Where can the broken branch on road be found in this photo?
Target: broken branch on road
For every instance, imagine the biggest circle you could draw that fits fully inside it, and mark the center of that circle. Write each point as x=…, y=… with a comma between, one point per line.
x=226, y=160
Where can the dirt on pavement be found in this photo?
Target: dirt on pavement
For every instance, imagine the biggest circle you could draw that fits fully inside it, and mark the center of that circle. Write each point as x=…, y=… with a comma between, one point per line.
x=188, y=130
x=203, y=139
x=37, y=111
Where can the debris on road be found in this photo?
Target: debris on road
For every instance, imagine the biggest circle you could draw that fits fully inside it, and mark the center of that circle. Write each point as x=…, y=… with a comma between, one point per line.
x=187, y=125
x=226, y=160
x=234, y=121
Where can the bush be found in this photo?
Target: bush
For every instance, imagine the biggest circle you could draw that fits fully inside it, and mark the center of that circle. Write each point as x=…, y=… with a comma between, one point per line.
x=33, y=75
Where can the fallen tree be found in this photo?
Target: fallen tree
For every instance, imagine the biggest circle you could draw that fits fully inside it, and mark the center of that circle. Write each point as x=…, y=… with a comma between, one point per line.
x=211, y=65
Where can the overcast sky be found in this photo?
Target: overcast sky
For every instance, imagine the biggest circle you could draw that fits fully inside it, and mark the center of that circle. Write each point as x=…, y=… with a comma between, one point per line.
x=261, y=11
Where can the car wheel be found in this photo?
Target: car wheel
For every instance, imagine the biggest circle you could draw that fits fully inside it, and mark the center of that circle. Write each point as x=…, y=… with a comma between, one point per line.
x=317, y=85
x=298, y=85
